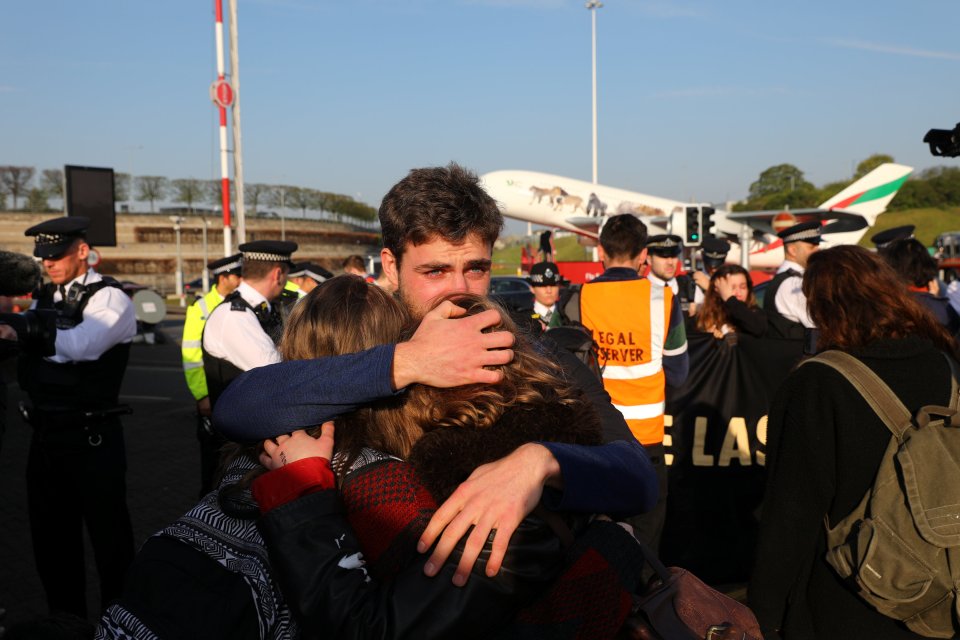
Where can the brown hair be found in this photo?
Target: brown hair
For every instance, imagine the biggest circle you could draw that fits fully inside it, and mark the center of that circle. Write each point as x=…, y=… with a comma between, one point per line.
x=438, y=202
x=854, y=298
x=911, y=261
x=712, y=315
x=354, y=261
x=529, y=379
x=260, y=269
x=623, y=236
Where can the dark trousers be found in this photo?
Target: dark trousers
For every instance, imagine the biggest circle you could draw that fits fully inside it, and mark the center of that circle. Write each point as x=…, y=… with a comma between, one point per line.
x=211, y=450
x=71, y=483
x=648, y=527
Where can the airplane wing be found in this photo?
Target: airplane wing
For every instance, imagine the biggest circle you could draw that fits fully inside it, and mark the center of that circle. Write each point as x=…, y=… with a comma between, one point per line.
x=763, y=221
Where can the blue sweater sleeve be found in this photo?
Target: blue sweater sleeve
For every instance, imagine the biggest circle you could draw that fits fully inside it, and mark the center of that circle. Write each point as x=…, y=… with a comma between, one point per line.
x=278, y=398
x=616, y=478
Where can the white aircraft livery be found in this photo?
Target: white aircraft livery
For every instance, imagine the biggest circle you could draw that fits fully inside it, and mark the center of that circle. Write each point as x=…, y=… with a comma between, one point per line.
x=579, y=206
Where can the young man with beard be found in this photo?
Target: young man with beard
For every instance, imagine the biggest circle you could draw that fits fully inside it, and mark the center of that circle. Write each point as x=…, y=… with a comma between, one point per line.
x=439, y=226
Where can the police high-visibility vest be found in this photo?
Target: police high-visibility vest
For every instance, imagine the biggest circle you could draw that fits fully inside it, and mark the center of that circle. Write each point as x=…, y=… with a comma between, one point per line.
x=630, y=320
x=190, y=348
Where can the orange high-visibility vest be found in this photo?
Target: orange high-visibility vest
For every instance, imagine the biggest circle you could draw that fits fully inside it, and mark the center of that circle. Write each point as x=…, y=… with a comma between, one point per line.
x=630, y=320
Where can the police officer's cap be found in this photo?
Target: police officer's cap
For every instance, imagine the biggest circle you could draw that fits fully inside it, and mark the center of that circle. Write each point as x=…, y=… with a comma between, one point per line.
x=544, y=274
x=803, y=232
x=885, y=238
x=268, y=251
x=665, y=245
x=225, y=266
x=54, y=237
x=310, y=270
x=715, y=249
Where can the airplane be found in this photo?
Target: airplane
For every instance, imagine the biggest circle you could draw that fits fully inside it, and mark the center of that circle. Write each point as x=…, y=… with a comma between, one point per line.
x=581, y=207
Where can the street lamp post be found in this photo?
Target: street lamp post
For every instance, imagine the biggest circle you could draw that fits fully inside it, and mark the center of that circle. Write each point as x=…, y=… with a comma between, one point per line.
x=177, y=221
x=593, y=5
x=206, y=274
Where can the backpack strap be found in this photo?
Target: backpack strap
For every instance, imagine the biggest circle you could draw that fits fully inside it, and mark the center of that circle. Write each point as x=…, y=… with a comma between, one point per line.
x=875, y=391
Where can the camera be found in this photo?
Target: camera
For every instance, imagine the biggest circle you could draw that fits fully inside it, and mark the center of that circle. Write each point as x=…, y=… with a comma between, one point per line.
x=944, y=142
x=36, y=332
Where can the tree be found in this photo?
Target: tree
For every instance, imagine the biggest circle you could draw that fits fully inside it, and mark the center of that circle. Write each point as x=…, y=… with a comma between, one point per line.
x=255, y=192
x=152, y=188
x=188, y=191
x=870, y=164
x=214, y=191
x=279, y=196
x=37, y=200
x=302, y=199
x=778, y=179
x=15, y=181
x=121, y=187
x=51, y=181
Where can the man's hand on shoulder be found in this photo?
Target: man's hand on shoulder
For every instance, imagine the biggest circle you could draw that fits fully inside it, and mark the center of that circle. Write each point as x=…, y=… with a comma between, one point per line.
x=448, y=350
x=496, y=497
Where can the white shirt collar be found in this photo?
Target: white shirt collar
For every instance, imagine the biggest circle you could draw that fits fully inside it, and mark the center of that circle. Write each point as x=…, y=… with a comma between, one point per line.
x=672, y=283
x=251, y=295
x=790, y=264
x=541, y=310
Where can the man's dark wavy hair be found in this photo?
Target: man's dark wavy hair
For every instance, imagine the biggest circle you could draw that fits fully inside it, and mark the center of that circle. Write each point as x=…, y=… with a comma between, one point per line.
x=438, y=202
x=623, y=236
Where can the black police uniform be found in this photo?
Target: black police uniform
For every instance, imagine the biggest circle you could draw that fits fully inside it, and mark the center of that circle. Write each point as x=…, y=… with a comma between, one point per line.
x=220, y=371
x=77, y=462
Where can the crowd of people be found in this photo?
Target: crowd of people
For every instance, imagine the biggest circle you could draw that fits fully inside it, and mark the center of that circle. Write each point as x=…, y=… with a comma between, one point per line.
x=403, y=457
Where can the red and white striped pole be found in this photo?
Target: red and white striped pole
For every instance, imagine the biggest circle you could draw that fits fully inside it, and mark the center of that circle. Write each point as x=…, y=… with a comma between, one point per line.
x=222, y=95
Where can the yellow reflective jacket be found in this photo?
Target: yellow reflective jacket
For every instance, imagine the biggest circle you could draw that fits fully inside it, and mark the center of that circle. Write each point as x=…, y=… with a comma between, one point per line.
x=191, y=349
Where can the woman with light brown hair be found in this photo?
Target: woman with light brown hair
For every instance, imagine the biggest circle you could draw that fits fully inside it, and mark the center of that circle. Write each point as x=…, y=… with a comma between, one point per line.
x=825, y=443
x=729, y=304
x=395, y=461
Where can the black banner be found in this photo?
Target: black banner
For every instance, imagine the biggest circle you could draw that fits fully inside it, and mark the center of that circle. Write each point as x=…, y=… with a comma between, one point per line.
x=716, y=431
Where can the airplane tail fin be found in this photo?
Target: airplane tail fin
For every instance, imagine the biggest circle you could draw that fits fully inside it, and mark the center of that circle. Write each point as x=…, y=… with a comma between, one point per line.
x=870, y=195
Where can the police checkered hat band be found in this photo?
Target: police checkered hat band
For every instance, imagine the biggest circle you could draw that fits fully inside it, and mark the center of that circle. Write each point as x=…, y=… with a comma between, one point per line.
x=263, y=256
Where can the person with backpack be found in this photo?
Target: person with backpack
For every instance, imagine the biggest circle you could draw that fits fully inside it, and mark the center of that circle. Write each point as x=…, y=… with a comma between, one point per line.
x=836, y=491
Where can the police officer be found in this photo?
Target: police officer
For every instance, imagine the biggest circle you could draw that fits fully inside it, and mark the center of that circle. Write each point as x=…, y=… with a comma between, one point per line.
x=713, y=252
x=242, y=333
x=307, y=275
x=226, y=275
x=545, y=280
x=77, y=462
x=882, y=240
x=663, y=259
x=784, y=302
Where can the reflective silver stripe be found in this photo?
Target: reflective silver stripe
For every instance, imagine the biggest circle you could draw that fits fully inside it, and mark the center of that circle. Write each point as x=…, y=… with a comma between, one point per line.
x=658, y=330
x=192, y=365
x=640, y=411
x=623, y=372
x=204, y=312
x=190, y=344
x=675, y=352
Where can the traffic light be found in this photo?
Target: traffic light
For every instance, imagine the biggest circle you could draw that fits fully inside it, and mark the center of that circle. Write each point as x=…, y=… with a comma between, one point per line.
x=706, y=221
x=693, y=226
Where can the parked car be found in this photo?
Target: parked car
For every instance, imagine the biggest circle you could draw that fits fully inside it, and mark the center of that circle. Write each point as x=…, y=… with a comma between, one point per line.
x=512, y=292
x=194, y=287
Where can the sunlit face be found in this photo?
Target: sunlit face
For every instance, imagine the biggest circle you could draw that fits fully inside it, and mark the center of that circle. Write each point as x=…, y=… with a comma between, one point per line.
x=69, y=265
x=228, y=283
x=664, y=267
x=802, y=251
x=547, y=296
x=437, y=268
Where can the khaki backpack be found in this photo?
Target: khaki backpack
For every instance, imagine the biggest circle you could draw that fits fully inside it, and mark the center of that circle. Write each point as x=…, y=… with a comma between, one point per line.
x=900, y=548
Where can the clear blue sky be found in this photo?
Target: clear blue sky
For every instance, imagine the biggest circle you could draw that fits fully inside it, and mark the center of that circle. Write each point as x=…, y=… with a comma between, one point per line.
x=696, y=98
